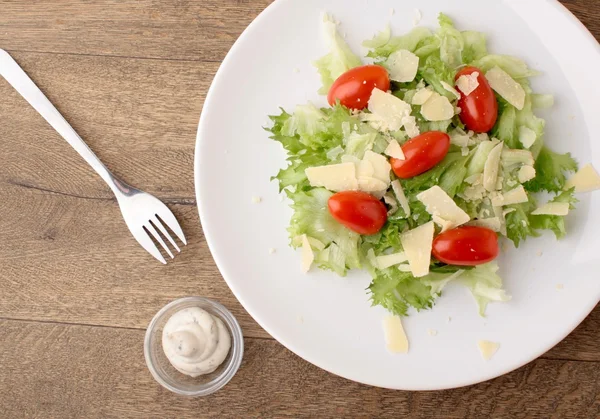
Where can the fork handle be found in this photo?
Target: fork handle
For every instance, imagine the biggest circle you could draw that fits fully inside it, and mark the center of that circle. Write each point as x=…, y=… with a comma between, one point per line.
x=17, y=78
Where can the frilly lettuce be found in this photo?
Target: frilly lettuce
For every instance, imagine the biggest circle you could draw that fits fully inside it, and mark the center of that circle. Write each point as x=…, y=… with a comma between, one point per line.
x=339, y=59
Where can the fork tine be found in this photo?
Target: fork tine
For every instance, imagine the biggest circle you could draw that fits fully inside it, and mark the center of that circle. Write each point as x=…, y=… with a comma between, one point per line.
x=169, y=219
x=146, y=242
x=163, y=230
x=158, y=238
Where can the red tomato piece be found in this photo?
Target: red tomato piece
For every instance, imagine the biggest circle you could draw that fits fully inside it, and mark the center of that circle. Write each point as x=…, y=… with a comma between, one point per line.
x=353, y=88
x=479, y=110
x=466, y=246
x=359, y=211
x=421, y=154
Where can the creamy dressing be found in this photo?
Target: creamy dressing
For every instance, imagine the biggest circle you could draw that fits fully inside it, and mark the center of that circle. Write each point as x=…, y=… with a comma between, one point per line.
x=195, y=342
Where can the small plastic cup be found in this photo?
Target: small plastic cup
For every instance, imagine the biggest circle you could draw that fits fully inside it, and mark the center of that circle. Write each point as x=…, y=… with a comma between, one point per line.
x=167, y=375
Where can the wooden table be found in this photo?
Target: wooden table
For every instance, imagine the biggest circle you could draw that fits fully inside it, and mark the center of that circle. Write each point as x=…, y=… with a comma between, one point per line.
x=76, y=291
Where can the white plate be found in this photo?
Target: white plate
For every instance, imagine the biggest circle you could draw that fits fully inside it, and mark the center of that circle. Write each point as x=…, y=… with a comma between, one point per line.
x=328, y=320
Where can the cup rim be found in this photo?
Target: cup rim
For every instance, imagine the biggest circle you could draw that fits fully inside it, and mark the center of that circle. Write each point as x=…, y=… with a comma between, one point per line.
x=237, y=347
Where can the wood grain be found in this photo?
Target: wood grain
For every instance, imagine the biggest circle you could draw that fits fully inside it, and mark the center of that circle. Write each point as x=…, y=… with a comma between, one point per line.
x=174, y=30
x=76, y=292
x=79, y=371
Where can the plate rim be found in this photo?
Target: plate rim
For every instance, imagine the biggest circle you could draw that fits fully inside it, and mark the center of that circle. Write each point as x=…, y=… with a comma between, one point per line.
x=566, y=13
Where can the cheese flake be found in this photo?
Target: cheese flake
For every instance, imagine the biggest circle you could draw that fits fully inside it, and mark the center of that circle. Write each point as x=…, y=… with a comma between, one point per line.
x=389, y=199
x=417, y=247
x=493, y=223
x=527, y=136
x=421, y=96
x=394, y=150
x=404, y=267
x=438, y=203
x=526, y=173
x=417, y=17
x=335, y=177
x=410, y=126
x=395, y=337
x=450, y=89
x=364, y=168
x=467, y=83
x=385, y=261
x=348, y=158
x=459, y=137
x=445, y=225
x=403, y=66
x=514, y=196
x=381, y=166
x=506, y=87
x=307, y=254
x=371, y=184
x=476, y=179
x=315, y=243
x=437, y=108
x=388, y=110
x=487, y=348
x=585, y=180
x=552, y=208
x=490, y=169
x=401, y=197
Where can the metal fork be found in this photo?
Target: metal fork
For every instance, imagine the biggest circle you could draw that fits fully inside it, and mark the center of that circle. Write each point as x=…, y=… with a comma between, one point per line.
x=144, y=214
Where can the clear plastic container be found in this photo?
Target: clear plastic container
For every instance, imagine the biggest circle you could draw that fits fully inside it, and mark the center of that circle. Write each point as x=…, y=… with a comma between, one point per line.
x=167, y=375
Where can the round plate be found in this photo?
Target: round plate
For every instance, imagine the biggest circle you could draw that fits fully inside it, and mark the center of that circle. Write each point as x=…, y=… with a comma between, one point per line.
x=328, y=320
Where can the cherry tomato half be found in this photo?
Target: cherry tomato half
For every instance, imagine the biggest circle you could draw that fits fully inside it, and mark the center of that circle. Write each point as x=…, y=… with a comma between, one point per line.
x=421, y=154
x=353, y=88
x=359, y=211
x=479, y=110
x=466, y=246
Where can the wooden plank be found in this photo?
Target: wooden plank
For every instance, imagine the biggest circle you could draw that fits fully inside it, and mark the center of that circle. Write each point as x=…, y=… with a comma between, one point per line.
x=586, y=11
x=78, y=371
x=188, y=30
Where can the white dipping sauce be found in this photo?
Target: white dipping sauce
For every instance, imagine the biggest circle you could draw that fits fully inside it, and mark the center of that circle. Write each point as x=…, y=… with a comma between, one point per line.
x=195, y=342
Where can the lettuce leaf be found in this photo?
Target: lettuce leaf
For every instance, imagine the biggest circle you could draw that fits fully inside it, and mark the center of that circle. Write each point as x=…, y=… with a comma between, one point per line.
x=388, y=238
x=518, y=225
x=451, y=42
x=308, y=135
x=485, y=285
x=435, y=71
x=512, y=65
x=474, y=46
x=550, y=168
x=449, y=174
x=381, y=51
x=311, y=217
x=396, y=291
x=339, y=59
x=555, y=223
x=380, y=39
x=506, y=126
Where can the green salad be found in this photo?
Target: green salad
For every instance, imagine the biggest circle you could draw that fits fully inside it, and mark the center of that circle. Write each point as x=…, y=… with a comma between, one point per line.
x=425, y=158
